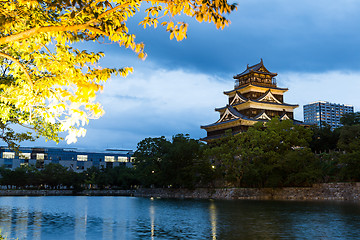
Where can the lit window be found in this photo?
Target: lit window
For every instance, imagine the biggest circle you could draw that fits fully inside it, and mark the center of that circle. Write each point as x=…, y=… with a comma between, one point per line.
x=24, y=155
x=109, y=159
x=40, y=156
x=82, y=158
x=132, y=159
x=122, y=159
x=8, y=155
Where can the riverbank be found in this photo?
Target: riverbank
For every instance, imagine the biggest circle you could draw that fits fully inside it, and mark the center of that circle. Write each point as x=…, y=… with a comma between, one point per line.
x=324, y=191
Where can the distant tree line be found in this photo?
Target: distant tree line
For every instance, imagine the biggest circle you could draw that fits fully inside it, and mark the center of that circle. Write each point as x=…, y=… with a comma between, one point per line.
x=56, y=176
x=279, y=154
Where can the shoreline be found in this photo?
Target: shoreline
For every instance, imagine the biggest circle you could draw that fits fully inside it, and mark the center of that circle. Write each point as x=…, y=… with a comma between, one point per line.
x=323, y=191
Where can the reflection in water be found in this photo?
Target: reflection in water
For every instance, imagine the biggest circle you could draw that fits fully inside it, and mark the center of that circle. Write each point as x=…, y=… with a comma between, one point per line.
x=80, y=218
x=143, y=218
x=152, y=220
x=212, y=211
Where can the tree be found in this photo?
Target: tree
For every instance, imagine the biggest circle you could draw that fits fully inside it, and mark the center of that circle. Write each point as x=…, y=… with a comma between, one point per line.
x=349, y=139
x=324, y=138
x=267, y=155
x=49, y=85
x=349, y=142
x=149, y=156
x=349, y=119
x=178, y=163
x=54, y=175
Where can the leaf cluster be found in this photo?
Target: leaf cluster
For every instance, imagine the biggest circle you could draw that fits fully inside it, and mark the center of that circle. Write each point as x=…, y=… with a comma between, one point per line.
x=51, y=86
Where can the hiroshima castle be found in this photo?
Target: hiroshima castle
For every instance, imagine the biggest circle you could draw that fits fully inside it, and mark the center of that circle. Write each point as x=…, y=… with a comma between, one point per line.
x=254, y=98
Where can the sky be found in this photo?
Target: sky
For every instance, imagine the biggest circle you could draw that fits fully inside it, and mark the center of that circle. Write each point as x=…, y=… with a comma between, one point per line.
x=313, y=46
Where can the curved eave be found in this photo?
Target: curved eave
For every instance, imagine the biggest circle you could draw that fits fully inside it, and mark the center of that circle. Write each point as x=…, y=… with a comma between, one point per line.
x=255, y=68
x=231, y=122
x=220, y=109
x=268, y=93
x=255, y=86
x=247, y=72
x=248, y=104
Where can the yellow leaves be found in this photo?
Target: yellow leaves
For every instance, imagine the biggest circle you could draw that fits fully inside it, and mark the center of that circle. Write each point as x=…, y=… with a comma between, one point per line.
x=178, y=31
x=67, y=80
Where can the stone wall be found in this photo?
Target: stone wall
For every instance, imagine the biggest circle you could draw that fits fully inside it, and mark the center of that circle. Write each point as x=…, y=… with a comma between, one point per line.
x=27, y=192
x=325, y=191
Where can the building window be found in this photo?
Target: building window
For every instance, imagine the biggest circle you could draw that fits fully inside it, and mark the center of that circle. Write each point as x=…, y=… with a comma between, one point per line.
x=40, y=156
x=82, y=158
x=132, y=159
x=24, y=155
x=109, y=159
x=122, y=159
x=8, y=155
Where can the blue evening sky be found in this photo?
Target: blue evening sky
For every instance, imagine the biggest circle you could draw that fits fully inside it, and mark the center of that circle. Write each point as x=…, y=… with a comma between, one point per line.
x=312, y=45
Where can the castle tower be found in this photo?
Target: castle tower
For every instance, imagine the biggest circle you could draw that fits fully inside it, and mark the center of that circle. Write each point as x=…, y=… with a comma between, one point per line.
x=254, y=98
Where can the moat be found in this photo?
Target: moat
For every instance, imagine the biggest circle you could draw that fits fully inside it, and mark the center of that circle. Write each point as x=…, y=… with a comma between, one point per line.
x=85, y=217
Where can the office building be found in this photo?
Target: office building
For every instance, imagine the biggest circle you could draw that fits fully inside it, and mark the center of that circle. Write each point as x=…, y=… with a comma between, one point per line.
x=321, y=112
x=71, y=158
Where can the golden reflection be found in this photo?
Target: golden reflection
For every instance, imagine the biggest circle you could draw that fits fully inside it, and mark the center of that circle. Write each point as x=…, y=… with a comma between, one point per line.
x=213, y=219
x=6, y=218
x=80, y=218
x=21, y=225
x=37, y=225
x=152, y=221
x=108, y=218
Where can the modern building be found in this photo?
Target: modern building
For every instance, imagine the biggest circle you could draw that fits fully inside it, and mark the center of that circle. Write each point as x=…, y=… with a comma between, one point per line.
x=324, y=112
x=71, y=158
x=255, y=98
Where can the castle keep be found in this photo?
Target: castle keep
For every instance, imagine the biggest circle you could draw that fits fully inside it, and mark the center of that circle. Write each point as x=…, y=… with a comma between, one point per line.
x=254, y=98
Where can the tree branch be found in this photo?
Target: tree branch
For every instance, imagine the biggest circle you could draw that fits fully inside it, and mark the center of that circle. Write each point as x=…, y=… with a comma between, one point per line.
x=21, y=66
x=42, y=29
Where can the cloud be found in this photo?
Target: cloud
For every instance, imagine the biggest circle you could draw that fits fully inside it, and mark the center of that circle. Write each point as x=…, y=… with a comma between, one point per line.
x=153, y=103
x=312, y=45
x=335, y=86
x=159, y=102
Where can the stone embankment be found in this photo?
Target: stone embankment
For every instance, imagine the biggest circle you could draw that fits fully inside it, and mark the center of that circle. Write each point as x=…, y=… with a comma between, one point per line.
x=325, y=191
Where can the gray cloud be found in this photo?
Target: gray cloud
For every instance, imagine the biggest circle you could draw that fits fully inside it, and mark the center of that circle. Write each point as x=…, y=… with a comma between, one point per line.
x=313, y=45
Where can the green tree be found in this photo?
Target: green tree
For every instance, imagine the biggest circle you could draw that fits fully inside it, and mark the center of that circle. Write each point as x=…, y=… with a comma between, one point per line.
x=224, y=156
x=178, y=163
x=349, y=142
x=324, y=139
x=54, y=175
x=264, y=156
x=349, y=119
x=149, y=155
x=6, y=179
x=49, y=85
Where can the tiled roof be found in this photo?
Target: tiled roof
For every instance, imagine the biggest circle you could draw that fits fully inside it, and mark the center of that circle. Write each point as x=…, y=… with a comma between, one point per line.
x=227, y=92
x=255, y=68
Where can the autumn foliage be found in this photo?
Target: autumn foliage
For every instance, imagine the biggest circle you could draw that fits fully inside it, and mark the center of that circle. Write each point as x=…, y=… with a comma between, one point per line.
x=49, y=86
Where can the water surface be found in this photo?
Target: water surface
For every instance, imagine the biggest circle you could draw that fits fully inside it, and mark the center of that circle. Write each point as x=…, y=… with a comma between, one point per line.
x=82, y=217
